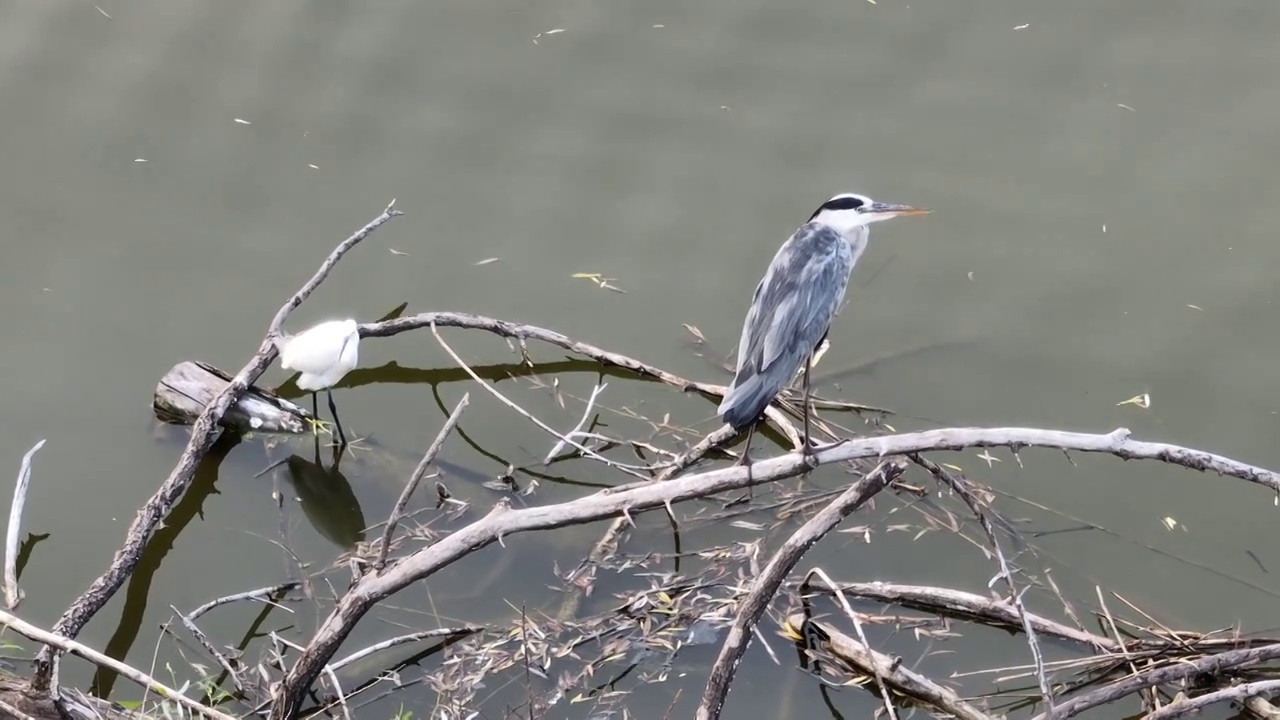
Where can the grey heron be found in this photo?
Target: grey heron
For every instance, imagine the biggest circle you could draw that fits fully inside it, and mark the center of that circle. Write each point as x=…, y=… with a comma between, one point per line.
x=792, y=308
x=324, y=354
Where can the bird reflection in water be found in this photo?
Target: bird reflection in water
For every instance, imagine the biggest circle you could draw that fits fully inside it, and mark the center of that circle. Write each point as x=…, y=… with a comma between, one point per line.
x=326, y=498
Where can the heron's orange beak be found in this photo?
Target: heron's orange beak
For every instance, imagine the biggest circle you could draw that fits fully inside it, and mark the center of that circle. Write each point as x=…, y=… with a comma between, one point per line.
x=879, y=208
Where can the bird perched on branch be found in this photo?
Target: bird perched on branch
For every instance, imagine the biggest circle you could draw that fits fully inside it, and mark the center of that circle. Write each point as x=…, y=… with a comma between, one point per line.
x=323, y=354
x=794, y=304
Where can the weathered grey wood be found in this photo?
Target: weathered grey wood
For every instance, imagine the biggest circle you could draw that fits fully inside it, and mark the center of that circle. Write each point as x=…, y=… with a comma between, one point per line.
x=189, y=386
x=18, y=697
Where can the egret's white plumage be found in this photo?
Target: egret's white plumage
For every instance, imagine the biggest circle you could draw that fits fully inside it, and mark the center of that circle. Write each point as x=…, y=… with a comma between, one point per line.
x=324, y=355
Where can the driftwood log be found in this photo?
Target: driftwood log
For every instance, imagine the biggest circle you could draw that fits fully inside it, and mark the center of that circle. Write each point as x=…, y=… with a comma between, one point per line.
x=188, y=388
x=16, y=701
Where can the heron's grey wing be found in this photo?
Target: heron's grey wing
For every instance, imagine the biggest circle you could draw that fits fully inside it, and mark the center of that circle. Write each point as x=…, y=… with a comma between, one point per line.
x=790, y=311
x=802, y=298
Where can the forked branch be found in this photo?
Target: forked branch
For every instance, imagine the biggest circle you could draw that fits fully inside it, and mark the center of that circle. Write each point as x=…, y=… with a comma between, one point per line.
x=638, y=497
x=203, y=433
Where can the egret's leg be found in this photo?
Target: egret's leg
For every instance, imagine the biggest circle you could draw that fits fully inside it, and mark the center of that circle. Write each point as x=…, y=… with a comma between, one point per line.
x=333, y=409
x=316, y=423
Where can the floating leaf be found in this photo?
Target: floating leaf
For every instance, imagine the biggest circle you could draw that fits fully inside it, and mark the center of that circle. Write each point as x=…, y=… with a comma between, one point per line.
x=1143, y=401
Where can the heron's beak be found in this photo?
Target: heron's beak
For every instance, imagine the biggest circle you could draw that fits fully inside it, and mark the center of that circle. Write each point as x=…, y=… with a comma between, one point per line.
x=892, y=210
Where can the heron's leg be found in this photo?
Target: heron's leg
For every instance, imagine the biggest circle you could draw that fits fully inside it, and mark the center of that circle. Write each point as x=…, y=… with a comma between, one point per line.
x=333, y=409
x=804, y=398
x=745, y=458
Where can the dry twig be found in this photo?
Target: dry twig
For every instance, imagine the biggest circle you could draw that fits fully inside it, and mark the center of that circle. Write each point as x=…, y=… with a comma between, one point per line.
x=418, y=474
x=961, y=488
x=1182, y=670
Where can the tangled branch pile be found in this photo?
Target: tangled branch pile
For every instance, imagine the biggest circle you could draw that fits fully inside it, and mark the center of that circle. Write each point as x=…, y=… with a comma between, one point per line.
x=719, y=596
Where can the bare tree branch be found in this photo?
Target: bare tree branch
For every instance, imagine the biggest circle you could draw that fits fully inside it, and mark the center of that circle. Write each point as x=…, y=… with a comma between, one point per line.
x=962, y=488
x=203, y=433
x=260, y=594
x=1166, y=673
x=760, y=594
x=876, y=670
x=520, y=331
x=956, y=603
x=1236, y=693
x=67, y=645
x=903, y=680
x=418, y=474
x=12, y=593
x=638, y=497
x=203, y=639
x=402, y=639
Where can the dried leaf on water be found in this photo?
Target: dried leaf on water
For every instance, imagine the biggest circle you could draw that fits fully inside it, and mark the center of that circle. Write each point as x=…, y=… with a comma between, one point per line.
x=555, y=31
x=696, y=333
x=1143, y=401
x=600, y=280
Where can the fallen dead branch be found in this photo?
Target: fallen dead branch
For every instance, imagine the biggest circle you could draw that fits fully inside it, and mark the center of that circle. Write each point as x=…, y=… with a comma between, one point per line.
x=1173, y=672
x=522, y=332
x=673, y=599
x=49, y=639
x=962, y=488
x=12, y=593
x=418, y=474
x=761, y=592
x=638, y=497
x=859, y=658
x=203, y=433
x=958, y=604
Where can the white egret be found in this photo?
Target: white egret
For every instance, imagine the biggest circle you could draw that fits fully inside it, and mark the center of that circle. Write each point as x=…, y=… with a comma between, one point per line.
x=323, y=354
